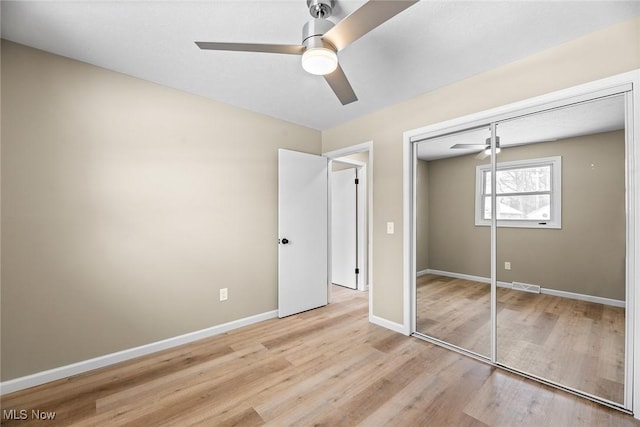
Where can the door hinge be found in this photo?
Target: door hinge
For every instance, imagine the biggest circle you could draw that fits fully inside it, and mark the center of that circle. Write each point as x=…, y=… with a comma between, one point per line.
x=357, y=181
x=357, y=271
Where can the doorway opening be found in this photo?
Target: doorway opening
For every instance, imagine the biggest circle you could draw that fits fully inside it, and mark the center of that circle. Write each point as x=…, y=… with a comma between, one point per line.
x=348, y=222
x=351, y=216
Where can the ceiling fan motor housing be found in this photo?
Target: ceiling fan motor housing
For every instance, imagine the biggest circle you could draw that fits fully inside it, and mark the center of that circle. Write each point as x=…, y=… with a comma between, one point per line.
x=488, y=141
x=313, y=31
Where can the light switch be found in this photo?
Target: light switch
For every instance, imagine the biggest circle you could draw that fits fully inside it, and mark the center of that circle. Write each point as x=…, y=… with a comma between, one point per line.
x=390, y=228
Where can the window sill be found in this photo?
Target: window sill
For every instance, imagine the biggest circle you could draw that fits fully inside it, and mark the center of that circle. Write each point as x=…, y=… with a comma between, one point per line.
x=523, y=224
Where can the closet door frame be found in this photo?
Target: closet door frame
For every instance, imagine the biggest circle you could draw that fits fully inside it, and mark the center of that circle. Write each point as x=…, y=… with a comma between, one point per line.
x=628, y=83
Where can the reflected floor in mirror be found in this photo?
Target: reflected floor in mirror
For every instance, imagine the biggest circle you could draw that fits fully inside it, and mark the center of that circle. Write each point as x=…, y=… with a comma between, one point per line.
x=575, y=343
x=456, y=311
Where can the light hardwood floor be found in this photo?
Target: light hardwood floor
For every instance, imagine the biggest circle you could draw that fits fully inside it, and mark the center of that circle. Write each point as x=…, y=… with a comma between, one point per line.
x=575, y=343
x=328, y=367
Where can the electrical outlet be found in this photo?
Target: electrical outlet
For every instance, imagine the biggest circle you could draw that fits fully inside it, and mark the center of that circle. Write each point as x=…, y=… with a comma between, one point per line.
x=507, y=265
x=390, y=227
x=224, y=294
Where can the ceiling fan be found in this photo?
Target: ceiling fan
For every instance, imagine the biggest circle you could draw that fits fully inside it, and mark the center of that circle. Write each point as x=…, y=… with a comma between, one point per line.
x=322, y=40
x=485, y=149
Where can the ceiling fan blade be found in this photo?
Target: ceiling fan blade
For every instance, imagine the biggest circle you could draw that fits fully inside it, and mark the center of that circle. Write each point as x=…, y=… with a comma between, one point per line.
x=369, y=16
x=253, y=47
x=469, y=146
x=341, y=86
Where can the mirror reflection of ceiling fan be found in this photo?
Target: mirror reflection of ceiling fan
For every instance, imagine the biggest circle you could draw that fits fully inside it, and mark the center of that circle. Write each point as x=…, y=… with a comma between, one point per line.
x=485, y=149
x=322, y=40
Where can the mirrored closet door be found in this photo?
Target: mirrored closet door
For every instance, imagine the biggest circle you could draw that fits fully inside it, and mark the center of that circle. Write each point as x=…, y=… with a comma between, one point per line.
x=542, y=286
x=561, y=246
x=453, y=256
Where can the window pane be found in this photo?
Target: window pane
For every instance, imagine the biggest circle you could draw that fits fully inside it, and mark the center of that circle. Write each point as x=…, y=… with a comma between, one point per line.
x=520, y=180
x=487, y=182
x=523, y=180
x=529, y=207
x=486, y=208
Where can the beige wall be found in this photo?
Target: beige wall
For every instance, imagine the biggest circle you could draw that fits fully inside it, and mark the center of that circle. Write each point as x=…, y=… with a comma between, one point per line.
x=422, y=215
x=126, y=206
x=601, y=54
x=585, y=256
x=452, y=219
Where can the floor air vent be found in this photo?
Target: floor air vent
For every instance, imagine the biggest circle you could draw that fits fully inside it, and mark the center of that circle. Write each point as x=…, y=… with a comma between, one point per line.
x=534, y=289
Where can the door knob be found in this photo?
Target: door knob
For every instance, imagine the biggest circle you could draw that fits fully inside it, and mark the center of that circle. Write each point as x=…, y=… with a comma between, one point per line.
x=285, y=241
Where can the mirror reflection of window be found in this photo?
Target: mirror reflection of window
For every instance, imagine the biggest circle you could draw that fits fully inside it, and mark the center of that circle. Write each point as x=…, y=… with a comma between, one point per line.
x=528, y=193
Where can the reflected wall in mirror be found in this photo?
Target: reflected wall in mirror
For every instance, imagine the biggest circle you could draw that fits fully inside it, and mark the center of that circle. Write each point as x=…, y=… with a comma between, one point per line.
x=561, y=287
x=452, y=254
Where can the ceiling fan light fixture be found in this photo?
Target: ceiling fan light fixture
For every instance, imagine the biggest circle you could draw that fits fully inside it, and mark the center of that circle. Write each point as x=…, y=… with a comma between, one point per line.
x=319, y=61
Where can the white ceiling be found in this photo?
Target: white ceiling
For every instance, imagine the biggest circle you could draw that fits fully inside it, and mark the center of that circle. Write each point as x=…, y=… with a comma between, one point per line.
x=429, y=45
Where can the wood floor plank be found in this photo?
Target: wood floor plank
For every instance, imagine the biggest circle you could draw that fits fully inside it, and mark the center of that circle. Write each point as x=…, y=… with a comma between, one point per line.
x=360, y=405
x=247, y=417
x=207, y=387
x=173, y=380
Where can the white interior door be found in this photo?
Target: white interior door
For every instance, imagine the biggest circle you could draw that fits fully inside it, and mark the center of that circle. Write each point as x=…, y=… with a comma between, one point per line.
x=344, y=247
x=302, y=228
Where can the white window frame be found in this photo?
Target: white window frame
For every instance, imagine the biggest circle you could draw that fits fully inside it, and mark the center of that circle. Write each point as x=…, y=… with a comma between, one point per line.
x=555, y=220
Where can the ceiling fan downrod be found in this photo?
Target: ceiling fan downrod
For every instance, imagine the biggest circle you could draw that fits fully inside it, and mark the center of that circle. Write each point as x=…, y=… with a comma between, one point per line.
x=320, y=8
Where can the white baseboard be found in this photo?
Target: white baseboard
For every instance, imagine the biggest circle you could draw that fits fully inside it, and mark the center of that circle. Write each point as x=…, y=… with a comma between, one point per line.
x=397, y=327
x=422, y=272
x=39, y=378
x=547, y=291
x=583, y=297
x=458, y=275
x=363, y=287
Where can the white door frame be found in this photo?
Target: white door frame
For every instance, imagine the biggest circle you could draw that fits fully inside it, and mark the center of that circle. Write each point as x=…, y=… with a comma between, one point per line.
x=342, y=152
x=629, y=80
